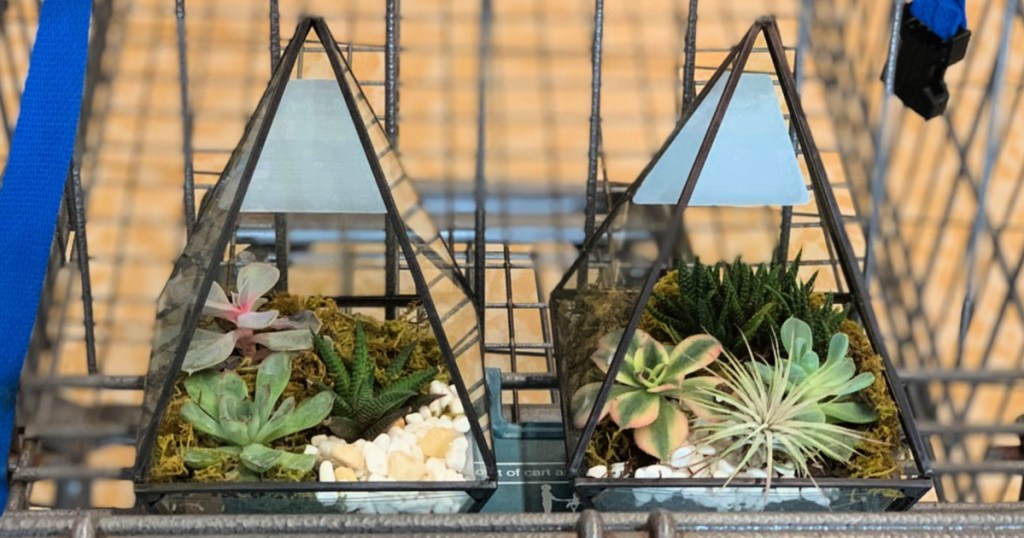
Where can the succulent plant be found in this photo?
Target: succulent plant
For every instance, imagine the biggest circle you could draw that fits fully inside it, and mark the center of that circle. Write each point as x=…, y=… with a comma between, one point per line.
x=763, y=414
x=651, y=388
x=210, y=348
x=219, y=406
x=837, y=371
x=362, y=408
x=738, y=303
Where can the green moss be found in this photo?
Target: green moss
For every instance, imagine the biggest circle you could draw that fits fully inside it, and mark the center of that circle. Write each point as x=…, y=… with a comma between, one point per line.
x=877, y=458
x=385, y=338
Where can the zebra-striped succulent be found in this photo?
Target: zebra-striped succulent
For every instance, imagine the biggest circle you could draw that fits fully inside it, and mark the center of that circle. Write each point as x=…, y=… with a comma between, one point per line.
x=651, y=389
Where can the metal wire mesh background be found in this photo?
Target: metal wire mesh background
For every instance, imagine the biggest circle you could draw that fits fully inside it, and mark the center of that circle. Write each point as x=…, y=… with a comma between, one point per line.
x=499, y=91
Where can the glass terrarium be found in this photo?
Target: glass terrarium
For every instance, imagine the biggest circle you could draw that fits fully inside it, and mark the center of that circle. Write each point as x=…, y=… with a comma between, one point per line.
x=316, y=348
x=715, y=342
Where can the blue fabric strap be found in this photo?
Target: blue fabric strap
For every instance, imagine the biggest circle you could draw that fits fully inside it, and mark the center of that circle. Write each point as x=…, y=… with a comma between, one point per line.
x=944, y=17
x=33, y=183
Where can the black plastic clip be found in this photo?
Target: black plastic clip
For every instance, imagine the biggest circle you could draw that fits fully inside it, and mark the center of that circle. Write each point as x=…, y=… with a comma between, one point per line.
x=921, y=65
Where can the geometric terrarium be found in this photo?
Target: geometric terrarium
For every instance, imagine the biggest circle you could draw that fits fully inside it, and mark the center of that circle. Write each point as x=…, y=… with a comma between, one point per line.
x=317, y=348
x=715, y=342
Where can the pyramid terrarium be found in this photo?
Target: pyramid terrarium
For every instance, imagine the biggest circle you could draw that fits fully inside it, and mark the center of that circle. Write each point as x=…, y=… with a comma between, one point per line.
x=715, y=342
x=317, y=348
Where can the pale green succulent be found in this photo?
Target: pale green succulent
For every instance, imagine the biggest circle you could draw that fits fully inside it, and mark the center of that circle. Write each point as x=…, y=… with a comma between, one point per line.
x=785, y=412
x=651, y=389
x=220, y=407
x=833, y=382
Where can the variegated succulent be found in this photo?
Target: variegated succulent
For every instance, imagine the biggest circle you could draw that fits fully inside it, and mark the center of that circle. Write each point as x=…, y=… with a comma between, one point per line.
x=651, y=389
x=252, y=327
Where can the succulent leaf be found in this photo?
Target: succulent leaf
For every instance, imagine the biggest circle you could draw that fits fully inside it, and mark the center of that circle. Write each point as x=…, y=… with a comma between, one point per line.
x=663, y=436
x=692, y=354
x=634, y=409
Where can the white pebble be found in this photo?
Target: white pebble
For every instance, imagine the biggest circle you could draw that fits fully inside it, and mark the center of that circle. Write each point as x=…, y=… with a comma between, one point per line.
x=653, y=471
x=382, y=441
x=461, y=424
x=436, y=468
x=756, y=473
x=681, y=473
x=376, y=459
x=438, y=387
x=723, y=469
x=685, y=456
x=317, y=439
x=435, y=407
x=455, y=407
x=424, y=411
x=456, y=455
x=327, y=498
x=707, y=450
x=445, y=422
x=785, y=471
x=446, y=399
x=597, y=471
x=310, y=449
x=414, y=418
x=618, y=469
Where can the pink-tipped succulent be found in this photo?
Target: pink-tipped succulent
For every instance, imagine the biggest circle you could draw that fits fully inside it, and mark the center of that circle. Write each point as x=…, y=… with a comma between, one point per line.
x=651, y=389
x=210, y=348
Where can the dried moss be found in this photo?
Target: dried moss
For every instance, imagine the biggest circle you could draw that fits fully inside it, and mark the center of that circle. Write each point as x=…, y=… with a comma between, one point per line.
x=385, y=338
x=582, y=320
x=611, y=445
x=877, y=459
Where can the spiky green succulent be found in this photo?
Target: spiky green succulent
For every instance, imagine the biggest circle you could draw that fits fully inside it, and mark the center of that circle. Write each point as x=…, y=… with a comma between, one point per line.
x=650, y=389
x=837, y=377
x=739, y=304
x=219, y=406
x=765, y=414
x=362, y=408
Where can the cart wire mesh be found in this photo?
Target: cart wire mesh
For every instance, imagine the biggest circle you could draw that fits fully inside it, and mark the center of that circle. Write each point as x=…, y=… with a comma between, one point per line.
x=493, y=101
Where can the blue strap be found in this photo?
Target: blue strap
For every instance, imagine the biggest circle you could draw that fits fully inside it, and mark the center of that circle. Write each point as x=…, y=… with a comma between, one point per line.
x=944, y=17
x=30, y=194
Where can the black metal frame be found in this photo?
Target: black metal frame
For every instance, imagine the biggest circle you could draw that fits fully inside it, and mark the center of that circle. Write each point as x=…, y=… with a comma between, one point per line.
x=832, y=222
x=159, y=385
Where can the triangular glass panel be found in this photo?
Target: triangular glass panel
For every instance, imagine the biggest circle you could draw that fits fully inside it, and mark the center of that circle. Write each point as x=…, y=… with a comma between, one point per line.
x=370, y=322
x=646, y=409
x=751, y=163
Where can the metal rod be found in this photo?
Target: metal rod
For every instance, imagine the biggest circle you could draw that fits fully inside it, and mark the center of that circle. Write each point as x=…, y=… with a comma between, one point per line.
x=593, y=148
x=282, y=242
x=690, y=56
x=511, y=317
x=479, y=176
x=186, y=120
x=82, y=249
x=391, y=73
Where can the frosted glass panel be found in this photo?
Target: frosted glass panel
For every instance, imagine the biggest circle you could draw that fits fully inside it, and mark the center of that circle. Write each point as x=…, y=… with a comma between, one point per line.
x=752, y=161
x=313, y=161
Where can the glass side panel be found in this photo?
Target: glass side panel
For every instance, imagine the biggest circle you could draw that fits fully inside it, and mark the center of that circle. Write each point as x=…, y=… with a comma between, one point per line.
x=378, y=502
x=749, y=499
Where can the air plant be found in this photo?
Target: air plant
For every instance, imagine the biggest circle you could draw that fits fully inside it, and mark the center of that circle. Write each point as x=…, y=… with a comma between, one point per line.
x=219, y=406
x=651, y=389
x=362, y=408
x=763, y=414
x=211, y=348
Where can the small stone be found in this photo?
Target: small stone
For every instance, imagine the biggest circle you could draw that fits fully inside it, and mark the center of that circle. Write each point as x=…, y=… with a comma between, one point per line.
x=344, y=474
x=785, y=471
x=681, y=473
x=414, y=418
x=394, y=432
x=707, y=450
x=455, y=407
x=618, y=469
x=461, y=424
x=376, y=459
x=310, y=449
x=326, y=474
x=350, y=456
x=445, y=422
x=424, y=411
x=723, y=469
x=317, y=439
x=446, y=399
x=456, y=456
x=452, y=475
x=382, y=441
x=400, y=423
x=435, y=407
x=379, y=478
x=684, y=456
x=756, y=473
x=438, y=387
x=597, y=471
x=436, y=441
x=435, y=468
x=401, y=444
x=406, y=467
